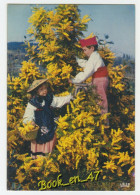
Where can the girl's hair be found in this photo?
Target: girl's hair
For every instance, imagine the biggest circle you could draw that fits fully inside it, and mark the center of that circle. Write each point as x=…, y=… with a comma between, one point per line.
x=95, y=47
x=34, y=92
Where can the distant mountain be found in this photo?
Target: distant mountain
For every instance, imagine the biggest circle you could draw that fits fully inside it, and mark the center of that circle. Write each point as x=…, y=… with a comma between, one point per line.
x=16, y=46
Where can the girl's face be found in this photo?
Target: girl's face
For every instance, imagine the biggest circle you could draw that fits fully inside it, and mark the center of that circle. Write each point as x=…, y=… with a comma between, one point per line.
x=88, y=51
x=42, y=90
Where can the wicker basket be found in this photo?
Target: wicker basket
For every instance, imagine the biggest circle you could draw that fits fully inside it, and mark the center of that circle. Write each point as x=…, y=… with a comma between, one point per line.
x=81, y=87
x=31, y=135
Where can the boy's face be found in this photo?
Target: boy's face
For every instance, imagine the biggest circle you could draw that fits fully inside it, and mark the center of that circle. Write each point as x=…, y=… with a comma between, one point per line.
x=42, y=91
x=88, y=51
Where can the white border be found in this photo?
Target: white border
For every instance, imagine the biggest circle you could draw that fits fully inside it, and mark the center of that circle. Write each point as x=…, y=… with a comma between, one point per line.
x=3, y=86
x=72, y=1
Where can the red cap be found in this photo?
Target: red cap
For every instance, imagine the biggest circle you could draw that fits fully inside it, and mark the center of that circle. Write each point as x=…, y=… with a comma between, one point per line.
x=88, y=42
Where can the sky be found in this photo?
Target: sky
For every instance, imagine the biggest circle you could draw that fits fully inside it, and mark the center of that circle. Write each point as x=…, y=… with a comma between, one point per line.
x=118, y=21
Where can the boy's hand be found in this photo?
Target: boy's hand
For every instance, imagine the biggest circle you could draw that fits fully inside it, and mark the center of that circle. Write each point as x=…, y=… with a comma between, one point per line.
x=69, y=80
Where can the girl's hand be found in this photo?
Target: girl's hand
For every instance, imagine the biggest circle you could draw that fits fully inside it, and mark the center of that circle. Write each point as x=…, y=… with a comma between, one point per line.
x=33, y=123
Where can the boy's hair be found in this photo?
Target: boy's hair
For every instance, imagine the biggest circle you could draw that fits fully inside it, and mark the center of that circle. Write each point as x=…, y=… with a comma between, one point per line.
x=95, y=47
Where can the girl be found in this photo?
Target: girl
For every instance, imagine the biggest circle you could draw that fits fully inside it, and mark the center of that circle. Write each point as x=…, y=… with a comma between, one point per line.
x=94, y=67
x=39, y=112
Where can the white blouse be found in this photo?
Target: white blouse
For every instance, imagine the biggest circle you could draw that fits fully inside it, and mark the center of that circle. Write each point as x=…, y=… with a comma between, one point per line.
x=57, y=102
x=90, y=66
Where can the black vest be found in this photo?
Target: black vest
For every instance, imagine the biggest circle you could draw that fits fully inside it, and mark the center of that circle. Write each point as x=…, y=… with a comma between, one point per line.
x=44, y=118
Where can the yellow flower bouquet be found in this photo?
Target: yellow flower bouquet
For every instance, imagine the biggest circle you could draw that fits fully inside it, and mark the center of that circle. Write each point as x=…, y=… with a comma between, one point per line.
x=28, y=131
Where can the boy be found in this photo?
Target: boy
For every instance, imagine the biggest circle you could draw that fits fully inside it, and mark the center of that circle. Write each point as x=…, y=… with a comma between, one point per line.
x=94, y=67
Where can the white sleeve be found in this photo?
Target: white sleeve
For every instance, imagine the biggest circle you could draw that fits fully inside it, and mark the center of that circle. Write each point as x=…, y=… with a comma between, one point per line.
x=29, y=113
x=93, y=63
x=98, y=61
x=88, y=71
x=81, y=62
x=60, y=101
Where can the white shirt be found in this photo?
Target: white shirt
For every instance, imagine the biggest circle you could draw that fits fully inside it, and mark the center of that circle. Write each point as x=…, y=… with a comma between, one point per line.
x=90, y=66
x=57, y=102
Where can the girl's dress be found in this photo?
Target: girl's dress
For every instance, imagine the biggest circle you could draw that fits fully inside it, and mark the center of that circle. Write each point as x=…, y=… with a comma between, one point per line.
x=39, y=110
x=96, y=68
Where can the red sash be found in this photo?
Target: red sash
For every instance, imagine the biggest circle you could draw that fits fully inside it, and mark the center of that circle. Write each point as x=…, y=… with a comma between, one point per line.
x=101, y=72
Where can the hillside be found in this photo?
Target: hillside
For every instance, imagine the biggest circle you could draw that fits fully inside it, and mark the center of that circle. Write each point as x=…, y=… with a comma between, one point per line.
x=16, y=54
